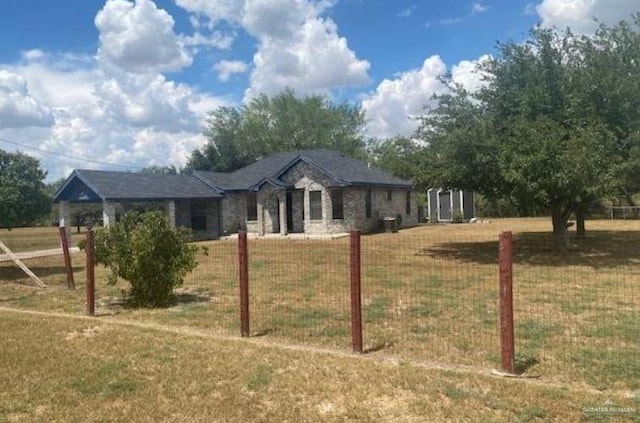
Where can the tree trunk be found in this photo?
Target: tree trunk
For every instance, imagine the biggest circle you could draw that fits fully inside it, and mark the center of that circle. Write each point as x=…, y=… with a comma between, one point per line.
x=580, y=229
x=560, y=232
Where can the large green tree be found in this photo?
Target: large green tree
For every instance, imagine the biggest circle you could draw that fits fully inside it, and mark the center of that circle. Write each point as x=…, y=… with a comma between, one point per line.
x=608, y=78
x=22, y=192
x=238, y=136
x=540, y=133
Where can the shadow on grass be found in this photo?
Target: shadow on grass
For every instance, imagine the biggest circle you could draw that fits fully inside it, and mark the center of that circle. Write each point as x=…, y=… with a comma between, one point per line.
x=125, y=301
x=378, y=347
x=11, y=273
x=599, y=249
x=522, y=364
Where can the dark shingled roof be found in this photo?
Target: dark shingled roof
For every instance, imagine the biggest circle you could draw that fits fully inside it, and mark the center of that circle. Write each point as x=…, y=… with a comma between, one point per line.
x=339, y=168
x=342, y=169
x=136, y=186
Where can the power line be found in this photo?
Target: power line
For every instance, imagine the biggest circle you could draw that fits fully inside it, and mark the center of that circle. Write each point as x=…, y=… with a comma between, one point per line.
x=68, y=156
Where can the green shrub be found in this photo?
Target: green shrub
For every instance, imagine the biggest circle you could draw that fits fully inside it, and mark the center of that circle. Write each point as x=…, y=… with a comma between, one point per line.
x=147, y=252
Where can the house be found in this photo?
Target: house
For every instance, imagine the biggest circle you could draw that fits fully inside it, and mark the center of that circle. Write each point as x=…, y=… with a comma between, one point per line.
x=311, y=192
x=446, y=205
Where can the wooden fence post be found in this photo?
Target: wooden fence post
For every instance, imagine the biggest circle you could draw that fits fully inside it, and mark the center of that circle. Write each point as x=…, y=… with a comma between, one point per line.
x=356, y=295
x=507, y=343
x=243, y=266
x=91, y=280
x=64, y=243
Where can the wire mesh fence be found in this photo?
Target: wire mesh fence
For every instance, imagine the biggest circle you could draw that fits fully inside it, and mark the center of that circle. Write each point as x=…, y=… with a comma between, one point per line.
x=428, y=293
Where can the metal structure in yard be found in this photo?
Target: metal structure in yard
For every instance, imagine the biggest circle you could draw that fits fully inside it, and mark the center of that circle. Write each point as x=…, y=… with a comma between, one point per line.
x=624, y=212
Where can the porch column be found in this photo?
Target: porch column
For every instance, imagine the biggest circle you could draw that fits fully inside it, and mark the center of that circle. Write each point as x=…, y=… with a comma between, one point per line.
x=108, y=213
x=65, y=218
x=282, y=213
x=260, y=210
x=170, y=212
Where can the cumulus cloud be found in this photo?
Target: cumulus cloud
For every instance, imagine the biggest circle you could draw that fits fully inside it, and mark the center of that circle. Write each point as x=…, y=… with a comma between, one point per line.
x=391, y=110
x=467, y=74
x=148, y=101
x=139, y=37
x=17, y=106
x=582, y=16
x=395, y=102
x=298, y=47
x=226, y=68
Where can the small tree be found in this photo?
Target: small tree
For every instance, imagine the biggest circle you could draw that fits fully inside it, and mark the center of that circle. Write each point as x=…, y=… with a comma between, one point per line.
x=151, y=255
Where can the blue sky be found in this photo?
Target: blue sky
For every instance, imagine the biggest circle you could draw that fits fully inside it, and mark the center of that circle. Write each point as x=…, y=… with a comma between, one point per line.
x=120, y=84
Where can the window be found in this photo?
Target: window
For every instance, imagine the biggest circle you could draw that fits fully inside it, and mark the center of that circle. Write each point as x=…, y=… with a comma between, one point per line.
x=337, y=203
x=315, y=205
x=408, y=203
x=367, y=203
x=389, y=195
x=199, y=216
x=252, y=207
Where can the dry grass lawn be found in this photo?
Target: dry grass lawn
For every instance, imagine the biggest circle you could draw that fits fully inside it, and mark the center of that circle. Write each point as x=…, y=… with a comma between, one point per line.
x=429, y=294
x=59, y=369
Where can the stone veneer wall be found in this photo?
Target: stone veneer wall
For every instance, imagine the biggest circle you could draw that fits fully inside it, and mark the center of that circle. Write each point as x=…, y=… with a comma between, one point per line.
x=381, y=207
x=234, y=214
x=306, y=178
x=183, y=218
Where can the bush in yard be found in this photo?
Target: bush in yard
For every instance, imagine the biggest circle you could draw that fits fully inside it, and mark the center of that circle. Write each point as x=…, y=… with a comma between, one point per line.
x=147, y=252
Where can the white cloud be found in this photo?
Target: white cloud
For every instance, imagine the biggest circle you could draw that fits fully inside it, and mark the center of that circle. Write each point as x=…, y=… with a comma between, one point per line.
x=215, y=39
x=478, y=7
x=450, y=21
x=581, y=15
x=467, y=74
x=226, y=68
x=406, y=13
x=391, y=110
x=214, y=10
x=297, y=46
x=109, y=118
x=18, y=108
x=139, y=37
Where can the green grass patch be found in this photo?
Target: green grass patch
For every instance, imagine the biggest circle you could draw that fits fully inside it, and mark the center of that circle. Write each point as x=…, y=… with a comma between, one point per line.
x=300, y=318
x=604, y=369
x=533, y=334
x=624, y=327
x=425, y=309
x=377, y=310
x=257, y=264
x=108, y=381
x=260, y=377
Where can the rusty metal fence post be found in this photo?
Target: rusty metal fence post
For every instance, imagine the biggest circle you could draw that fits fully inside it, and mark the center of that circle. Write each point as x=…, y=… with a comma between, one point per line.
x=243, y=267
x=91, y=280
x=356, y=295
x=507, y=343
x=64, y=243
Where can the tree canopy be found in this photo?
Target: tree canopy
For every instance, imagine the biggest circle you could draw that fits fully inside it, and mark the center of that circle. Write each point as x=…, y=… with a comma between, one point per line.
x=22, y=192
x=556, y=125
x=238, y=136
